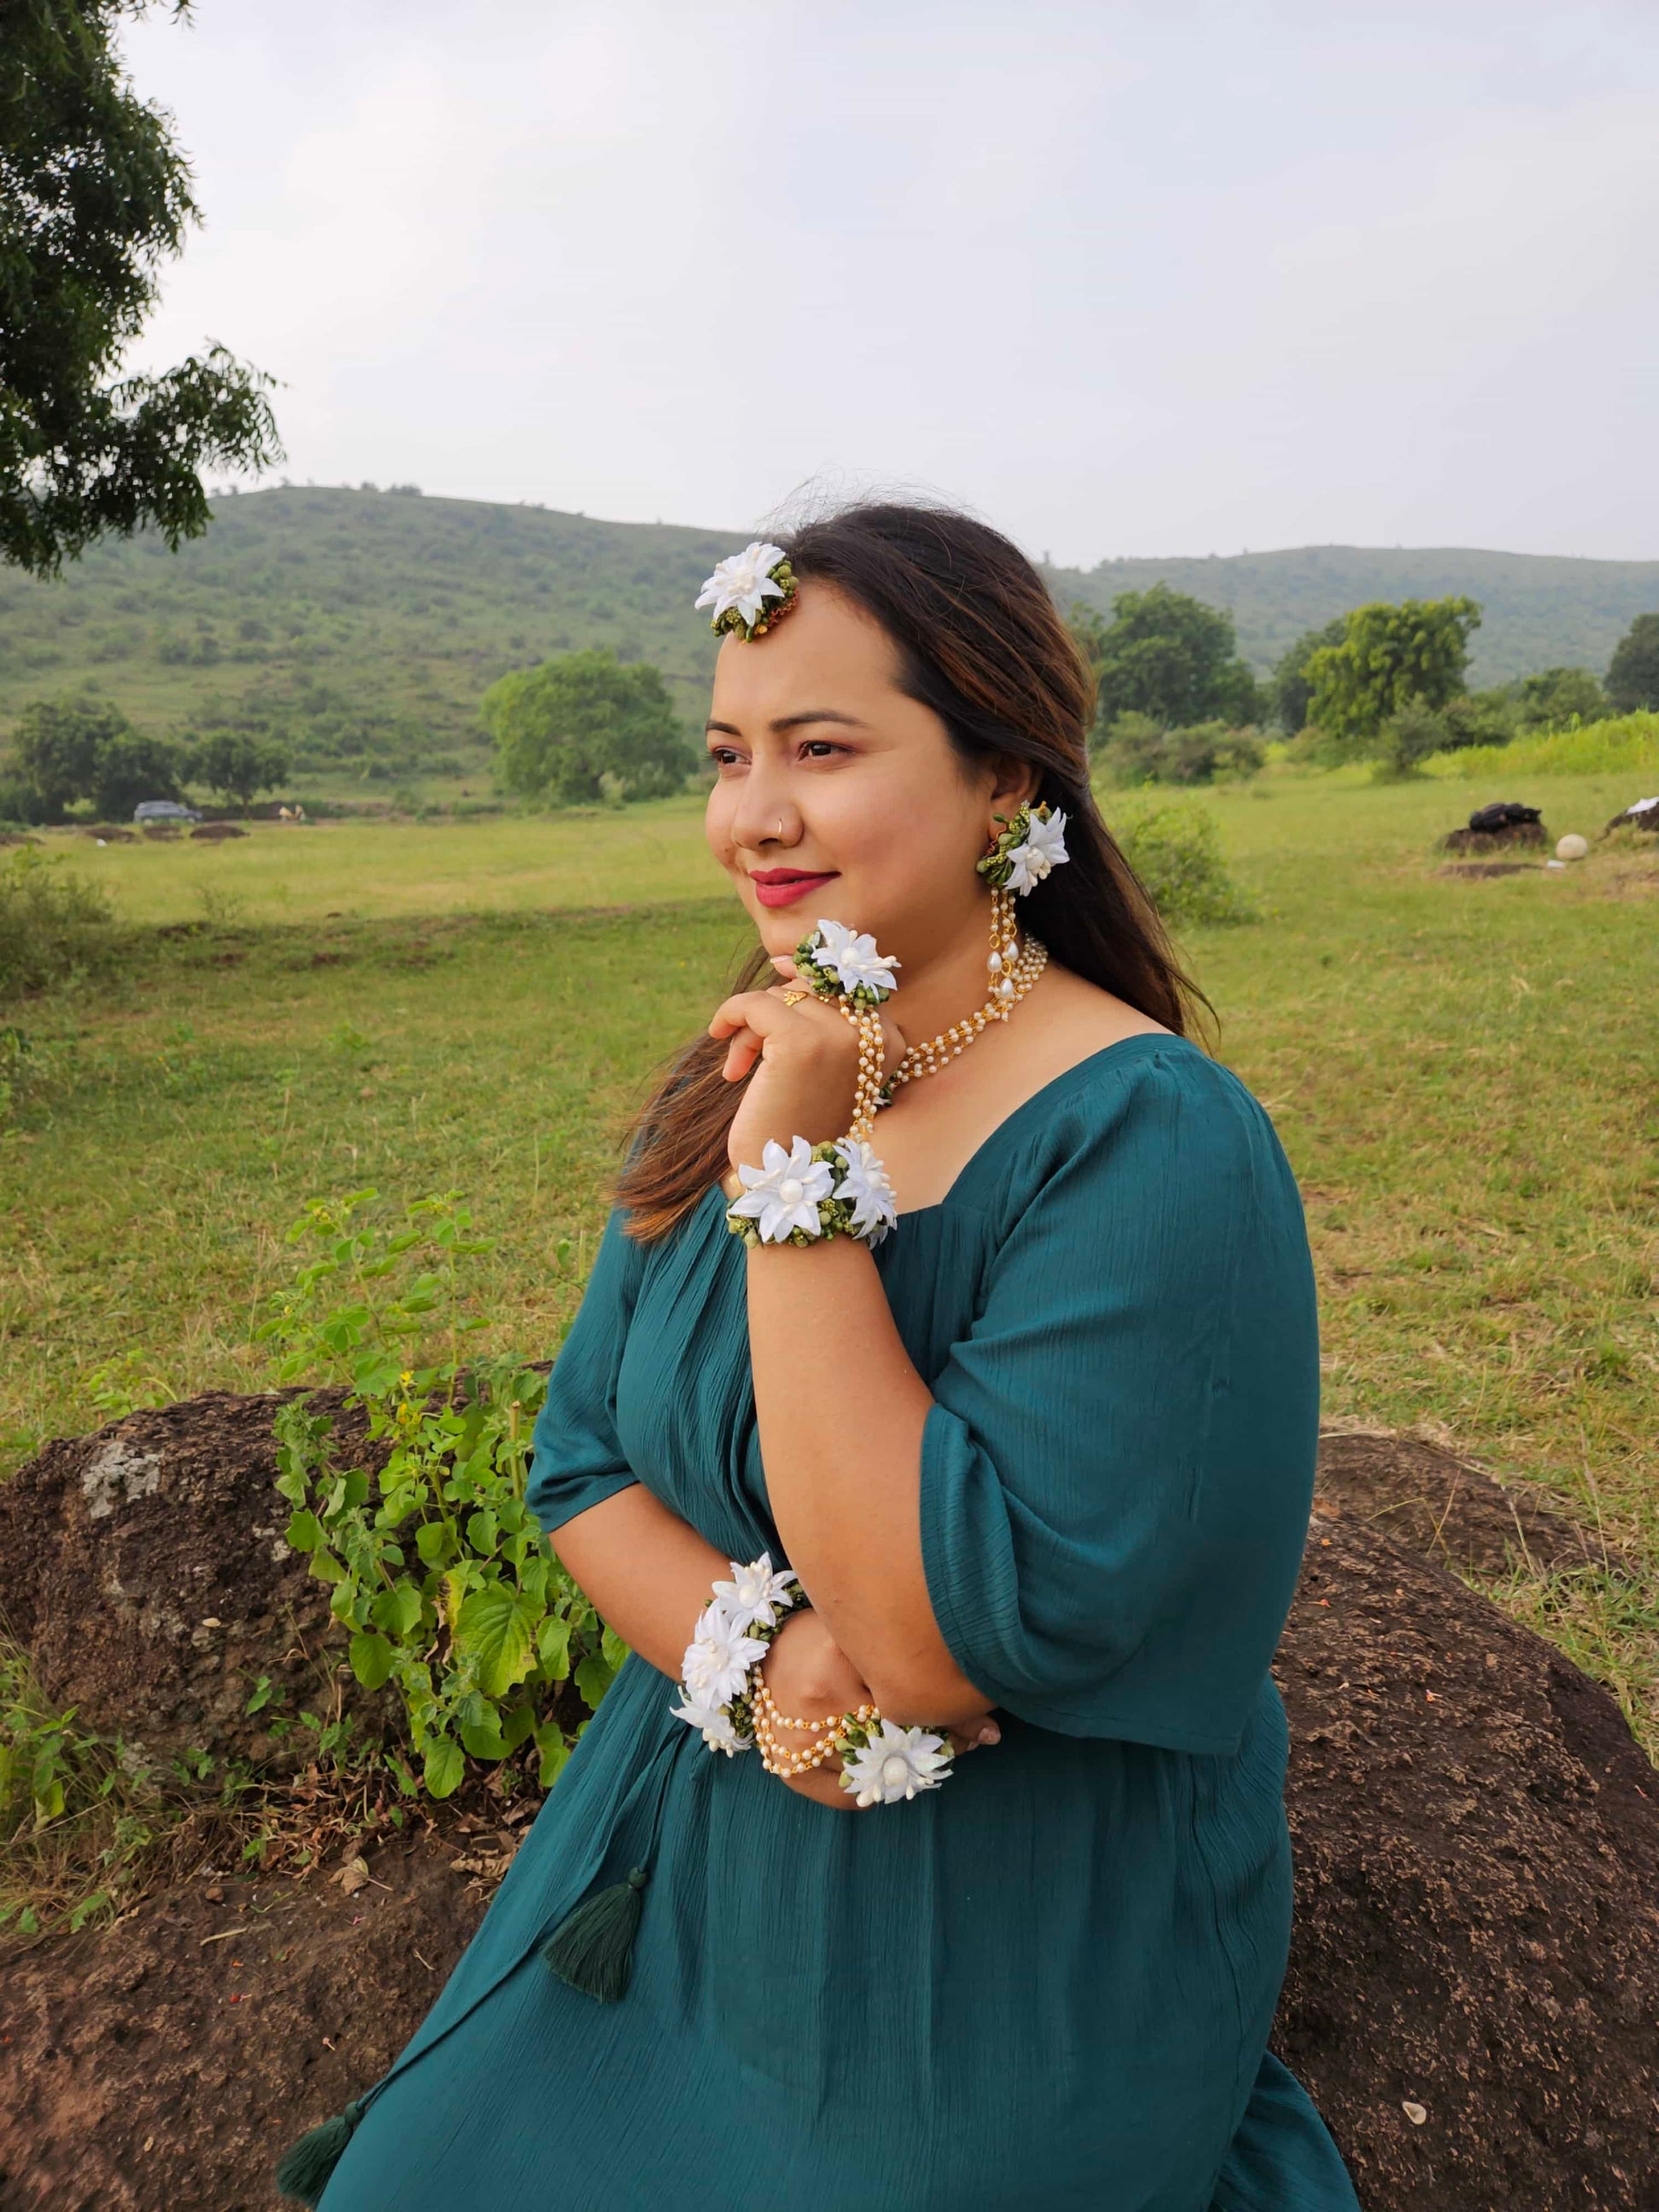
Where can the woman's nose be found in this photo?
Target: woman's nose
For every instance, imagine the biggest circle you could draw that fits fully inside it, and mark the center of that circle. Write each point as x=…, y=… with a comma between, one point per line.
x=763, y=818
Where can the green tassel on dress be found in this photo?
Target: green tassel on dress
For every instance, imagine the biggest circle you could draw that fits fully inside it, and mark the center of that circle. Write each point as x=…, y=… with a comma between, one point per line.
x=592, y=1947
x=306, y=2167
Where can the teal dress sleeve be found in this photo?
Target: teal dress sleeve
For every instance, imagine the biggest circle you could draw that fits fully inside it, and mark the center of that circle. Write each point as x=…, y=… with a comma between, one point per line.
x=575, y=1459
x=1118, y=1467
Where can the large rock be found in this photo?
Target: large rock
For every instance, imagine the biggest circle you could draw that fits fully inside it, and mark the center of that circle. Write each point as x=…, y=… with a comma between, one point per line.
x=144, y=1568
x=1477, y=1844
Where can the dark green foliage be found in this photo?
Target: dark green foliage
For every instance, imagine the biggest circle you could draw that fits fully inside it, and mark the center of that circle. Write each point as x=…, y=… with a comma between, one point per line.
x=66, y=750
x=1406, y=740
x=93, y=196
x=1479, y=718
x=1388, y=656
x=238, y=764
x=1169, y=657
x=583, y=728
x=1137, y=751
x=1290, y=687
x=1633, y=671
x=1555, y=697
x=54, y=925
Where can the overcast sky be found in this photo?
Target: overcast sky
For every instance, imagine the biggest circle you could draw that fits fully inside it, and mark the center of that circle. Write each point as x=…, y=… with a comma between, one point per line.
x=1126, y=278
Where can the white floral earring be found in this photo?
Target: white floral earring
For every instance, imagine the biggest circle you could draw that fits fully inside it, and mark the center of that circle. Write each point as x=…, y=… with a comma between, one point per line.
x=1029, y=847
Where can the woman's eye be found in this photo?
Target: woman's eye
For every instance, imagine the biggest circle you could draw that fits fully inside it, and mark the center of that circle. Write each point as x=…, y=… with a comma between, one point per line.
x=821, y=748
x=723, y=756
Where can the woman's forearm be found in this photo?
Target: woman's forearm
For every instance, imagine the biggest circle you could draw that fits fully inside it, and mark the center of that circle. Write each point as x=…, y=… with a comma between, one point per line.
x=840, y=1410
x=645, y=1572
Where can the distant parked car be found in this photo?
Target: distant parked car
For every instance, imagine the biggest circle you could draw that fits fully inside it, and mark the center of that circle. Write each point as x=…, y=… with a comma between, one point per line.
x=164, y=809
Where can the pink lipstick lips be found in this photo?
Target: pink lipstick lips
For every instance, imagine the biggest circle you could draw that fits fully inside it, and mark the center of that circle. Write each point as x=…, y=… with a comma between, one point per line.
x=783, y=886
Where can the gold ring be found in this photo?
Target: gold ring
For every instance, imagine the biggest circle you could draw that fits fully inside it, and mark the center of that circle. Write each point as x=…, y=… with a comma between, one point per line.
x=795, y=998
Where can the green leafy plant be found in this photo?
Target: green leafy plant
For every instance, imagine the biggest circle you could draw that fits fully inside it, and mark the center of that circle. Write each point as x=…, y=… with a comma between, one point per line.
x=1175, y=851
x=54, y=925
x=441, y=1582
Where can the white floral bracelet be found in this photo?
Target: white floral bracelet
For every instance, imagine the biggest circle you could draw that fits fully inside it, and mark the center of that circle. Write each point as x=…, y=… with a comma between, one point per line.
x=731, y=1637
x=726, y=1700
x=794, y=1197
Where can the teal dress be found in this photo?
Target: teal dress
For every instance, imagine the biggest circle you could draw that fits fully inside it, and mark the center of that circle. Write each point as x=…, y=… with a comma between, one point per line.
x=1049, y=1983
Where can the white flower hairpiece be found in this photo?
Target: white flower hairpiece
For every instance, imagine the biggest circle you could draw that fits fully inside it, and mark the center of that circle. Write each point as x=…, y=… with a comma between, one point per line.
x=741, y=586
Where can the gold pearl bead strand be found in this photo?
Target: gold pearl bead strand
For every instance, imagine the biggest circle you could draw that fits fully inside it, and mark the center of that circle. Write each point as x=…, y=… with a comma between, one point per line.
x=775, y=1757
x=868, y=1095
x=1012, y=968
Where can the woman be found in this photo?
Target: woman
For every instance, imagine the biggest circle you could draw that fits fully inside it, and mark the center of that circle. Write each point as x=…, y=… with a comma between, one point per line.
x=1039, y=1462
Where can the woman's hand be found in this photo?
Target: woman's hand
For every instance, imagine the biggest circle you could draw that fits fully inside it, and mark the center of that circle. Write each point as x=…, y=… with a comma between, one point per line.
x=810, y=1677
x=807, y=1076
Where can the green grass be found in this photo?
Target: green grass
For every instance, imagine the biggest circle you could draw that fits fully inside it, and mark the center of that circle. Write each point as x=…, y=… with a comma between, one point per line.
x=1465, y=1072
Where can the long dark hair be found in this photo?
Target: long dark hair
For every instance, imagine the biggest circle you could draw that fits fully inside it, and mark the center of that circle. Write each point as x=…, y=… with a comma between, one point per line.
x=980, y=642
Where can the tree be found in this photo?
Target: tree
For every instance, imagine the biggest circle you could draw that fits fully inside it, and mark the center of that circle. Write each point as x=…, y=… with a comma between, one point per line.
x=69, y=750
x=1168, y=656
x=1289, y=687
x=1556, y=696
x=583, y=727
x=237, y=764
x=93, y=196
x=1389, y=655
x=1633, y=671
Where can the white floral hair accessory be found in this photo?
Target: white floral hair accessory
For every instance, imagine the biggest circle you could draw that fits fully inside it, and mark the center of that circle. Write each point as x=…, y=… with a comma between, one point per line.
x=1029, y=847
x=742, y=586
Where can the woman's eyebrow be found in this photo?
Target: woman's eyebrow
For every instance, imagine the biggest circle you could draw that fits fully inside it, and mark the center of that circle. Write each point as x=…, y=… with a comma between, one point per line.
x=791, y=721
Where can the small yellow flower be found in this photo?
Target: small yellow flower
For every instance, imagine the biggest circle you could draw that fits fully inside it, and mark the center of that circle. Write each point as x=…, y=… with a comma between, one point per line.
x=407, y=1377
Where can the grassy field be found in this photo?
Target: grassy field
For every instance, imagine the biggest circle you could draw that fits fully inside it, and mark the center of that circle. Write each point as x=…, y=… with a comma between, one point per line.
x=1465, y=1072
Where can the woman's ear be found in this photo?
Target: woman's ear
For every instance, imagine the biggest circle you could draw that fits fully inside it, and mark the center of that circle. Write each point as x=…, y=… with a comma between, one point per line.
x=1017, y=782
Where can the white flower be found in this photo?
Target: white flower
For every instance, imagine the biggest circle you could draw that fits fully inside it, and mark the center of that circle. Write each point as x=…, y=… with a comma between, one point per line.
x=743, y=582
x=713, y=1723
x=783, y=1192
x=1042, y=852
x=864, y=1184
x=718, y=1657
x=852, y=959
x=895, y=1764
x=754, y=1596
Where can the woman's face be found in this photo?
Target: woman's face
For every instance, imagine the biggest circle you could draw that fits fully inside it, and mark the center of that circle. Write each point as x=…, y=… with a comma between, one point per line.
x=836, y=794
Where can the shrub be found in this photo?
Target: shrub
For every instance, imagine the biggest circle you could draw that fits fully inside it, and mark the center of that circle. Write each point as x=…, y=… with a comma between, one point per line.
x=53, y=924
x=1627, y=745
x=1138, y=750
x=1406, y=740
x=582, y=729
x=441, y=1579
x=1175, y=851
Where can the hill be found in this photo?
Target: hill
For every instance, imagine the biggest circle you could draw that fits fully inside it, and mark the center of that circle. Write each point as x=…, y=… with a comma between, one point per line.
x=1541, y=610
x=367, y=624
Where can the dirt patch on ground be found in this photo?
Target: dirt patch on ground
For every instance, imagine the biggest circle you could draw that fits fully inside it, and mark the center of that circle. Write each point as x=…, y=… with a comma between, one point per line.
x=1477, y=1844
x=160, y=2067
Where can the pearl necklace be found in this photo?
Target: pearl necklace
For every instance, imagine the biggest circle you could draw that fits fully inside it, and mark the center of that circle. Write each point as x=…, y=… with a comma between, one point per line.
x=1012, y=970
